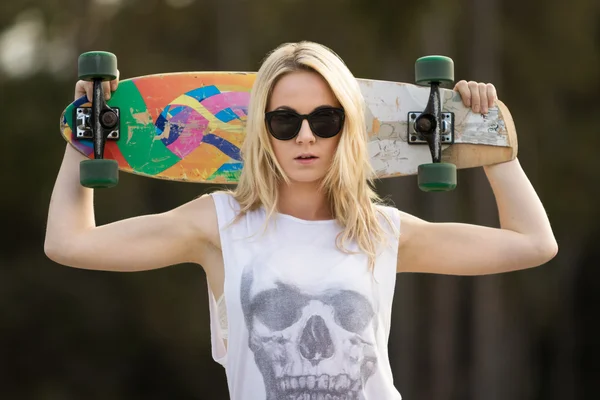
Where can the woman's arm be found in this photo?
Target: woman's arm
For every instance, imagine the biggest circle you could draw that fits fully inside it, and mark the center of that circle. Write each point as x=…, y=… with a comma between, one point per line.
x=524, y=239
x=184, y=234
x=135, y=244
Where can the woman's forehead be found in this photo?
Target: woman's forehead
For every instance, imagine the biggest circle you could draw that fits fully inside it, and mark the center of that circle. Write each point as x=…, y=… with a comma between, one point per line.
x=302, y=91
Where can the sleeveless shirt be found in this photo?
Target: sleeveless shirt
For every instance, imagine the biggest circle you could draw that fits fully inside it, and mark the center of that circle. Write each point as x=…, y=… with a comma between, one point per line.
x=302, y=318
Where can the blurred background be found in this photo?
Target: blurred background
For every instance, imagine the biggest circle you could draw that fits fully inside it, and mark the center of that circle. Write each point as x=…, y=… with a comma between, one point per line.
x=76, y=334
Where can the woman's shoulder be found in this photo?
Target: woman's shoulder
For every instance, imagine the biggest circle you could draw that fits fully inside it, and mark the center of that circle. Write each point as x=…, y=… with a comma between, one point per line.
x=387, y=210
x=225, y=201
x=389, y=217
x=229, y=209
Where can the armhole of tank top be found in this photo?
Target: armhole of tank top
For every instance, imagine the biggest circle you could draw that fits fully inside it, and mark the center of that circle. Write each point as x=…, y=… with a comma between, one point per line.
x=225, y=214
x=397, y=221
x=218, y=345
x=222, y=313
x=394, y=215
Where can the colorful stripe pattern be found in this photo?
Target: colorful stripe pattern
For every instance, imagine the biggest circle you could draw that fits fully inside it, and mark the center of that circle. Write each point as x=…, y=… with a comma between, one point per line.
x=184, y=126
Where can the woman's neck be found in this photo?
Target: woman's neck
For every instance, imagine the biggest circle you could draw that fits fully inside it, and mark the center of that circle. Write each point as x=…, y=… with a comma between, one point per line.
x=304, y=201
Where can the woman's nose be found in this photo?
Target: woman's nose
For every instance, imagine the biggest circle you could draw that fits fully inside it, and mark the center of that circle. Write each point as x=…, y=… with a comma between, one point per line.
x=305, y=135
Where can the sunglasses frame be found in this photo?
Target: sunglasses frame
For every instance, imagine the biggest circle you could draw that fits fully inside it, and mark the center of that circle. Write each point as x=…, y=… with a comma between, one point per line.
x=269, y=115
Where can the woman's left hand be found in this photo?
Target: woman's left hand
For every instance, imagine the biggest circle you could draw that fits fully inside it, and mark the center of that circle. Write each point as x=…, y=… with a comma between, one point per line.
x=479, y=96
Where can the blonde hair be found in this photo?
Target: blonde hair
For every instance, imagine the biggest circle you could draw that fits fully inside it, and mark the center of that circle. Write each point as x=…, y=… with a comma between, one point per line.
x=348, y=182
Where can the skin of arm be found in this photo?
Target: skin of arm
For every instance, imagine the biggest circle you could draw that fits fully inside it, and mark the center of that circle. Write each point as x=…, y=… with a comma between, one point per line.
x=524, y=239
x=134, y=244
x=188, y=233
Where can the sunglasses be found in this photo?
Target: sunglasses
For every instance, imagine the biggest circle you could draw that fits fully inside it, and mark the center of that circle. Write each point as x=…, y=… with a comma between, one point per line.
x=325, y=122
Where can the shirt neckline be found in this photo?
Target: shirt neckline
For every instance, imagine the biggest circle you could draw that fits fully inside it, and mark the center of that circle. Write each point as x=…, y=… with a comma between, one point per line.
x=302, y=221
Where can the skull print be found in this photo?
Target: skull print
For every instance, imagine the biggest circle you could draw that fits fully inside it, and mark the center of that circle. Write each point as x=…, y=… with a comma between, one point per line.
x=310, y=342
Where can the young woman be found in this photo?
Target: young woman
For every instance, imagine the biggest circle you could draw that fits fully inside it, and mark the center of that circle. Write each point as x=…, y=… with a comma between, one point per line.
x=302, y=253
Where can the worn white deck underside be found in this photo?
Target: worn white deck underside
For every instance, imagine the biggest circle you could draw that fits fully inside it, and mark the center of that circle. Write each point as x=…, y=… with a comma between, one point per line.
x=387, y=108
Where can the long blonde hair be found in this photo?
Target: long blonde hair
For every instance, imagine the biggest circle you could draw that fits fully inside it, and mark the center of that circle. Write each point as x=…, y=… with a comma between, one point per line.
x=348, y=182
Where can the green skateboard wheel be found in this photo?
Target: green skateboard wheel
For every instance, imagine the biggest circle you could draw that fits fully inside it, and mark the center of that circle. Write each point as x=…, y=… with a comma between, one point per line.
x=97, y=65
x=437, y=177
x=99, y=173
x=431, y=69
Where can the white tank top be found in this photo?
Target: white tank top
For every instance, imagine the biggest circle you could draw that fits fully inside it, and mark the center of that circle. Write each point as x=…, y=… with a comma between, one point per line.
x=304, y=320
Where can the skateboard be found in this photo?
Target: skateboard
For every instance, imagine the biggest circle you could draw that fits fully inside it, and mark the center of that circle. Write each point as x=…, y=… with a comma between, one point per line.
x=189, y=126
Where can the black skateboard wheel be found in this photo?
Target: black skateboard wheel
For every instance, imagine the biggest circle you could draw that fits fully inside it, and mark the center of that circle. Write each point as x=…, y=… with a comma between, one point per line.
x=437, y=177
x=97, y=65
x=99, y=173
x=434, y=69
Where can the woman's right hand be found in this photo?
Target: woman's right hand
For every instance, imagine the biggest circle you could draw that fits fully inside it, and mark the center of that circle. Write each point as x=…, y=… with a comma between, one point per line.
x=87, y=88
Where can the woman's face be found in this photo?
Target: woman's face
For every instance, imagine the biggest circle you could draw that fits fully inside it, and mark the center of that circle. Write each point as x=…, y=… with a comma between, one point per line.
x=305, y=158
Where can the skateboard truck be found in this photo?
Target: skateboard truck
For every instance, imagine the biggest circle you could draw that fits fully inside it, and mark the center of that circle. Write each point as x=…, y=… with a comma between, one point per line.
x=98, y=122
x=432, y=126
x=415, y=135
x=84, y=120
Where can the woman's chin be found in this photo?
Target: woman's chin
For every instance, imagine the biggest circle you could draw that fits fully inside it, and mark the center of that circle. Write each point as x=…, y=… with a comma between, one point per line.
x=305, y=178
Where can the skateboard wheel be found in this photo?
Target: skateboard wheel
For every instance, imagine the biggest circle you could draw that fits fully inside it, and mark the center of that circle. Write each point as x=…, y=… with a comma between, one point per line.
x=431, y=69
x=437, y=177
x=99, y=173
x=97, y=65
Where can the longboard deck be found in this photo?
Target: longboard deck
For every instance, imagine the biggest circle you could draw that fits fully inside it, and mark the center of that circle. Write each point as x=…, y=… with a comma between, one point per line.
x=190, y=126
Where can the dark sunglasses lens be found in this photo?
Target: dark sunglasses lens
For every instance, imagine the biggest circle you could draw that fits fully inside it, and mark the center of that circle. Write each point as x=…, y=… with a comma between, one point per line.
x=326, y=123
x=284, y=125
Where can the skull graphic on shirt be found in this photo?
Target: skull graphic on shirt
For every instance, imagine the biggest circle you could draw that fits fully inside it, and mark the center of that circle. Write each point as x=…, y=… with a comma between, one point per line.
x=311, y=340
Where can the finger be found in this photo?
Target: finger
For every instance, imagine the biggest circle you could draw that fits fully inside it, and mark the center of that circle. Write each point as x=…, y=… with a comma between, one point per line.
x=78, y=90
x=115, y=83
x=106, y=90
x=463, y=89
x=492, y=94
x=84, y=88
x=483, y=98
x=88, y=87
x=475, y=98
